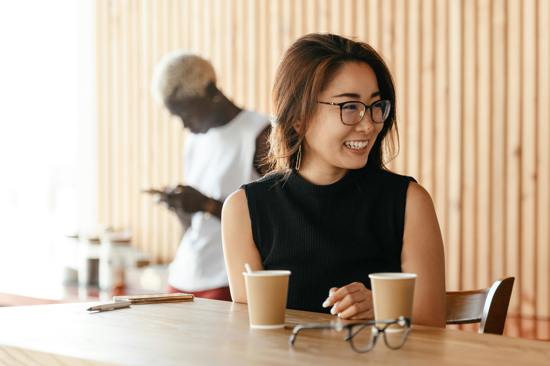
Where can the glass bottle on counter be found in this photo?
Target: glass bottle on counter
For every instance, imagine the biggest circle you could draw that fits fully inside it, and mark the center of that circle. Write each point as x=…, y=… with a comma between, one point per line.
x=112, y=261
x=88, y=261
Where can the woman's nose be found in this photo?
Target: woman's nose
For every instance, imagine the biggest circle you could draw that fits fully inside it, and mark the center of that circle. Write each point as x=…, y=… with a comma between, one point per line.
x=365, y=124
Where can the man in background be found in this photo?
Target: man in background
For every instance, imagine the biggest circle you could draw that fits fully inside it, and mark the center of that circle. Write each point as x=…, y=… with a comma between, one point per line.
x=225, y=149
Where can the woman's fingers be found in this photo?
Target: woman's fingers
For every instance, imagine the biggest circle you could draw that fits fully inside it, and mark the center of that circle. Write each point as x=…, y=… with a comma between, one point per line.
x=349, y=300
x=328, y=302
x=366, y=315
x=355, y=308
x=343, y=291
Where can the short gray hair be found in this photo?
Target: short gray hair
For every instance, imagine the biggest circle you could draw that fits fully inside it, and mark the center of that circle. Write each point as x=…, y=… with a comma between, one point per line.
x=181, y=74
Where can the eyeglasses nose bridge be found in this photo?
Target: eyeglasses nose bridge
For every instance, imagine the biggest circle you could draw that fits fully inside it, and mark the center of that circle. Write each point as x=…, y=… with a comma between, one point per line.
x=366, y=111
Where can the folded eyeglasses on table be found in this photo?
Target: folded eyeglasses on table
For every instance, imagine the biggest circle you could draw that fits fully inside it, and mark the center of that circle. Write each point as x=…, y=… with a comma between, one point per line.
x=363, y=335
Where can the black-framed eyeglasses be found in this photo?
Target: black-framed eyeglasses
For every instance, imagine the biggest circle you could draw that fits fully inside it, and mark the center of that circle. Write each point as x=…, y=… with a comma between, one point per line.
x=352, y=112
x=362, y=336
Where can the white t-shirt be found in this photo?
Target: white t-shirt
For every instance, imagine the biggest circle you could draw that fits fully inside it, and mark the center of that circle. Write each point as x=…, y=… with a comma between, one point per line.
x=216, y=163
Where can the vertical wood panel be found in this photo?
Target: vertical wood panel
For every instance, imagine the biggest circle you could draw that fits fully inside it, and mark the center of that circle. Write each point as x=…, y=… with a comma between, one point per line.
x=262, y=59
x=455, y=145
x=386, y=46
x=373, y=16
x=473, y=88
x=133, y=113
x=528, y=173
x=469, y=148
x=114, y=121
x=102, y=66
x=361, y=15
x=413, y=74
x=543, y=171
x=399, y=61
x=513, y=153
x=426, y=105
x=498, y=120
x=483, y=124
x=441, y=126
x=239, y=69
x=252, y=85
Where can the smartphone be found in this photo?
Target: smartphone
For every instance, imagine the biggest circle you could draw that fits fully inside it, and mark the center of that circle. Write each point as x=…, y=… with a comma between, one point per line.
x=152, y=191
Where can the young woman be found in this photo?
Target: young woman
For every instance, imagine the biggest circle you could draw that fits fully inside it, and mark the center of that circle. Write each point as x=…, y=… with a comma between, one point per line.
x=330, y=211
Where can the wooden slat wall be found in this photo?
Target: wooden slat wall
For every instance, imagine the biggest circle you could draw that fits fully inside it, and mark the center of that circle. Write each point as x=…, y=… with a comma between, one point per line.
x=473, y=81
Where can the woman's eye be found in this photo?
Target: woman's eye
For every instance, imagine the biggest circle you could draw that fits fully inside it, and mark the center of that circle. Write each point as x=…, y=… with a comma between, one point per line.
x=350, y=107
x=380, y=104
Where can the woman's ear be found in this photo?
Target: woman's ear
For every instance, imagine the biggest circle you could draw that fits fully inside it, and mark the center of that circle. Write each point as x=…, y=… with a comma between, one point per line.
x=298, y=126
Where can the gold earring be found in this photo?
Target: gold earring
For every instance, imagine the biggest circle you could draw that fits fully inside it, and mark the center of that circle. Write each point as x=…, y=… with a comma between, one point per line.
x=299, y=157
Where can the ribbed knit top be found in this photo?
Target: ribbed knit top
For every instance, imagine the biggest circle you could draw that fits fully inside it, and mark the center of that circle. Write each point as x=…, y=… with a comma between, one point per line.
x=328, y=235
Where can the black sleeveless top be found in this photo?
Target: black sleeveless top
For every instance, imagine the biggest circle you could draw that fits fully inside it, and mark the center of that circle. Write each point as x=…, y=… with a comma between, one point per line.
x=331, y=235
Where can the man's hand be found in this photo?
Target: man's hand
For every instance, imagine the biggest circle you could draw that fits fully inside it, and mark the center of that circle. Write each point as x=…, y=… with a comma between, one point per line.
x=184, y=198
x=187, y=200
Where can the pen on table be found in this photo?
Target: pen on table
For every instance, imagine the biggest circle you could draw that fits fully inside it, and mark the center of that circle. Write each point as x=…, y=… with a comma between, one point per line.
x=111, y=306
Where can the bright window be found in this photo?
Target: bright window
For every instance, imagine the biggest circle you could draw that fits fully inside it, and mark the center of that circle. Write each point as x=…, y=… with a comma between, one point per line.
x=47, y=134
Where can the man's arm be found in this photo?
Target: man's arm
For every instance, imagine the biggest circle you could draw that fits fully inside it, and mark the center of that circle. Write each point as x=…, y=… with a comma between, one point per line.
x=213, y=207
x=185, y=199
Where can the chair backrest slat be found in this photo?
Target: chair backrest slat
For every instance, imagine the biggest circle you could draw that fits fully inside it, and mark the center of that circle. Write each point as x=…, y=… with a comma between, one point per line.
x=488, y=306
x=496, y=306
x=465, y=306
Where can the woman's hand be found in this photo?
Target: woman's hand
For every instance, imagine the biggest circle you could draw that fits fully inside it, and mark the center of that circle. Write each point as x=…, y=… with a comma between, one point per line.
x=353, y=301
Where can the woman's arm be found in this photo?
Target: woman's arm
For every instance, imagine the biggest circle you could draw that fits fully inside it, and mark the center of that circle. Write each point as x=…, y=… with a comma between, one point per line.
x=238, y=245
x=422, y=254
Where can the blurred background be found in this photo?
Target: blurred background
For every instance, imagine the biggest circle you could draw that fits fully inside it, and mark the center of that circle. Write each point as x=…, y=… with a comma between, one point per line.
x=81, y=135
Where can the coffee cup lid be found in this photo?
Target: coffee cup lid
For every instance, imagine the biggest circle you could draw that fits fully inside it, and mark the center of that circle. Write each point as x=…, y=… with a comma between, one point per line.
x=391, y=276
x=267, y=273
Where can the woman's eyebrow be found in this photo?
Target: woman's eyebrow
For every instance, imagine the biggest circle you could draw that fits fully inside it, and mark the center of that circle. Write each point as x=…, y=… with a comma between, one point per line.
x=355, y=95
x=349, y=95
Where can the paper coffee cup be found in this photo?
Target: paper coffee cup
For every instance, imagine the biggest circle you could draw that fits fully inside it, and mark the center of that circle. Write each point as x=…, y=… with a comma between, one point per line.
x=267, y=293
x=392, y=294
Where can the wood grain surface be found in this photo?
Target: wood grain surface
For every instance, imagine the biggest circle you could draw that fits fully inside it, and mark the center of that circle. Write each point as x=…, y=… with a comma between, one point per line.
x=209, y=332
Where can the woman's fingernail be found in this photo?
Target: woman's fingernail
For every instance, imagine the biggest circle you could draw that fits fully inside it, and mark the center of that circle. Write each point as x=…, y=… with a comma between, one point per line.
x=333, y=310
x=326, y=303
x=339, y=315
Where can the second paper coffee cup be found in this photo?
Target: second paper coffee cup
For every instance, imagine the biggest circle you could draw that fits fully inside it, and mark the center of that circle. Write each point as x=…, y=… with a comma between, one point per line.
x=267, y=293
x=392, y=294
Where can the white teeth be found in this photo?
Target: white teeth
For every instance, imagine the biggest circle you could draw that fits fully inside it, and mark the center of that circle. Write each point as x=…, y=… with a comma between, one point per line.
x=356, y=145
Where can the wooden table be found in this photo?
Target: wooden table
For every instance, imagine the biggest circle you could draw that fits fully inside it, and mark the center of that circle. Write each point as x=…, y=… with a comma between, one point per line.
x=208, y=332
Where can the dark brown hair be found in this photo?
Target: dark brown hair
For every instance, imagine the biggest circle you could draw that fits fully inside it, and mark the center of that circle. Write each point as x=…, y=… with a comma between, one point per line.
x=305, y=70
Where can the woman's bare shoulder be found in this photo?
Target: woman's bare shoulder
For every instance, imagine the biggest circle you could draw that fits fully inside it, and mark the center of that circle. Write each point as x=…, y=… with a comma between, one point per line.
x=235, y=203
x=418, y=199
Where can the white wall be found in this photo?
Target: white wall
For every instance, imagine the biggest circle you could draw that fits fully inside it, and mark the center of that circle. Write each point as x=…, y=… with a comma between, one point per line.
x=47, y=133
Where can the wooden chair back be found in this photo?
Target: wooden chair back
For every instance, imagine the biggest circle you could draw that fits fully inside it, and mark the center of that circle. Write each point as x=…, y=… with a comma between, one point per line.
x=488, y=306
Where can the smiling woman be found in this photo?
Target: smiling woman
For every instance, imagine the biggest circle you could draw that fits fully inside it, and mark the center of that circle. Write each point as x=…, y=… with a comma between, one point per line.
x=356, y=135
x=330, y=212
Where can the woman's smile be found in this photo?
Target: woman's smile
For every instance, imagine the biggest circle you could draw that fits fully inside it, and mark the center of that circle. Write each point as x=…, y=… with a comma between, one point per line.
x=358, y=146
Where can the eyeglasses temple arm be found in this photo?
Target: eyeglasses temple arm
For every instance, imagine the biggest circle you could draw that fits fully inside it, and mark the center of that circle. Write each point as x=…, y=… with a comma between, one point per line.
x=299, y=328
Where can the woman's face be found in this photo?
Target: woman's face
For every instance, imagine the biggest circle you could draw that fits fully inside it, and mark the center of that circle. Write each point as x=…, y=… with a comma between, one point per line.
x=330, y=144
